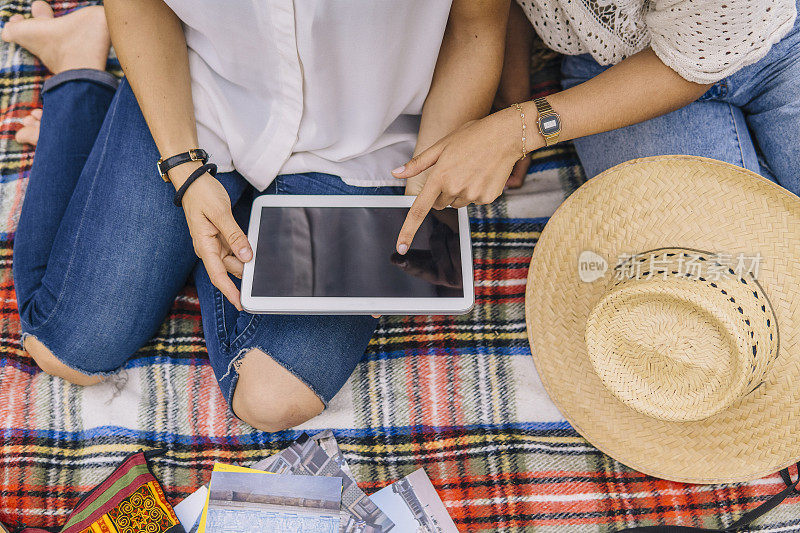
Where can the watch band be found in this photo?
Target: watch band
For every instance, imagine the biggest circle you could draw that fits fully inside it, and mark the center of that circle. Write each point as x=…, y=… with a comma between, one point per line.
x=544, y=110
x=164, y=165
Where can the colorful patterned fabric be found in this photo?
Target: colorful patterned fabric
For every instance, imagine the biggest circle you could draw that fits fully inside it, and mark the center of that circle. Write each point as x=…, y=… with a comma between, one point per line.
x=130, y=500
x=458, y=396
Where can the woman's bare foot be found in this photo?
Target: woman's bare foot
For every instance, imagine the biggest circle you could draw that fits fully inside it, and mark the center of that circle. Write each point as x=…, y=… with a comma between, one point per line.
x=29, y=132
x=79, y=39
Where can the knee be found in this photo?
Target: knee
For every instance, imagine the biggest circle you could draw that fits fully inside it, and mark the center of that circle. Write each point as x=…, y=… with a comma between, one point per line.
x=49, y=364
x=269, y=397
x=267, y=413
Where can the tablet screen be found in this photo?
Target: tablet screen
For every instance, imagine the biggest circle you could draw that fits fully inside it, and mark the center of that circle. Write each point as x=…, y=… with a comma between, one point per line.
x=350, y=252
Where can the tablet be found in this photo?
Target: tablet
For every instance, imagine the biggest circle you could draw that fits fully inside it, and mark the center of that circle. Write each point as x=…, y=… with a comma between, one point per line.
x=336, y=255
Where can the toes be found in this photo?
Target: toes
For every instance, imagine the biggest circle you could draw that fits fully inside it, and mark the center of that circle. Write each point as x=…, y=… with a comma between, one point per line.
x=41, y=9
x=15, y=29
x=29, y=132
x=33, y=34
x=9, y=29
x=27, y=135
x=30, y=120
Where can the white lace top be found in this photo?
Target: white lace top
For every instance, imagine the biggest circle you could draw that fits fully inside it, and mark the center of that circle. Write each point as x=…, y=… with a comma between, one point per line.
x=702, y=40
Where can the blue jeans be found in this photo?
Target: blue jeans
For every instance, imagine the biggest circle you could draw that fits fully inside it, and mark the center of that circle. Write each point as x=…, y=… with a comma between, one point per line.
x=750, y=119
x=101, y=252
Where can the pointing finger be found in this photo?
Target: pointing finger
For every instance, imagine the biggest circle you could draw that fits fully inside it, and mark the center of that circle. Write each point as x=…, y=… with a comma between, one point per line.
x=419, y=210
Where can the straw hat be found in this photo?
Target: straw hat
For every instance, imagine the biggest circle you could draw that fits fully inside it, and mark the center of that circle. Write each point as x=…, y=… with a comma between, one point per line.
x=663, y=310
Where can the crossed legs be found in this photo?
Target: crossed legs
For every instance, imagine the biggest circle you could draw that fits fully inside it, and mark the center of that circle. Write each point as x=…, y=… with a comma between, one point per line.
x=100, y=251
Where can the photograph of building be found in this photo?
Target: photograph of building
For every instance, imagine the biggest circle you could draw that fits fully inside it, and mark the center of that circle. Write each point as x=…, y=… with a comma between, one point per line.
x=244, y=502
x=414, y=505
x=305, y=457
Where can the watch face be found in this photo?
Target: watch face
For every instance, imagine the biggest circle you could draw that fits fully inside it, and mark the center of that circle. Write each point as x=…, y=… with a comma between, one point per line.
x=549, y=124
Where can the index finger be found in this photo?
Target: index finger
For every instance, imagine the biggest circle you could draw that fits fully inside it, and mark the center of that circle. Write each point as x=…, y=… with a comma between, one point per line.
x=416, y=214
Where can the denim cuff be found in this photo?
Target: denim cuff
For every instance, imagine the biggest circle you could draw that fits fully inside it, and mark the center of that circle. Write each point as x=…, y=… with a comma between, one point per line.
x=100, y=77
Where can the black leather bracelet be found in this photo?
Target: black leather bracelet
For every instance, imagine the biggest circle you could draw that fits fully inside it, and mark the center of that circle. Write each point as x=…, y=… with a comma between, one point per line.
x=211, y=168
x=195, y=154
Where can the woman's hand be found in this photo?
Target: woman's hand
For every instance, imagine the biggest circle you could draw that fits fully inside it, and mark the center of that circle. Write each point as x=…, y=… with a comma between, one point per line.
x=151, y=46
x=471, y=165
x=218, y=240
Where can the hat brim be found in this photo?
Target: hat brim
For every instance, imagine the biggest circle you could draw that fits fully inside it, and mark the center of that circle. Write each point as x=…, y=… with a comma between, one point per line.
x=651, y=203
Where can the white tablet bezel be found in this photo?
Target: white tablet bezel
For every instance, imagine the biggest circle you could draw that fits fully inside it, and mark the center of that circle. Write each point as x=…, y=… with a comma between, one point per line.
x=350, y=305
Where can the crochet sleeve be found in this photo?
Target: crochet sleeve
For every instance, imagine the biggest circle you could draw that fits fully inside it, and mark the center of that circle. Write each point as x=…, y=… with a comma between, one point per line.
x=707, y=40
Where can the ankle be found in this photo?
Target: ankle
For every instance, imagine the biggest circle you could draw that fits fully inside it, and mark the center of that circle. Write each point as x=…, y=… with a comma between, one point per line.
x=79, y=63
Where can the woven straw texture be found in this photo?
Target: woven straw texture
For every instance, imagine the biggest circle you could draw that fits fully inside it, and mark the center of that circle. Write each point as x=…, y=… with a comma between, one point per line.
x=457, y=396
x=651, y=203
x=676, y=344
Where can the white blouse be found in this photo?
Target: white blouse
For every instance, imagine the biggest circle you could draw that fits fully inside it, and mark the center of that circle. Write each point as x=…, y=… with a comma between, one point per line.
x=334, y=86
x=702, y=40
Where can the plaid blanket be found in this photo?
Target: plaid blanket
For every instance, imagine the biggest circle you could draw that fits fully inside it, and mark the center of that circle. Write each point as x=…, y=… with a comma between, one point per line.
x=458, y=396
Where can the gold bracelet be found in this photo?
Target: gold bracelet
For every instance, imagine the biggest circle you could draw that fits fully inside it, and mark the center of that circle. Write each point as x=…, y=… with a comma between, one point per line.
x=524, y=129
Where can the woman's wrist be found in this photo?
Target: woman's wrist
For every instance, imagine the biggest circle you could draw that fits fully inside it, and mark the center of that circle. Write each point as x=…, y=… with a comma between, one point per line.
x=197, y=175
x=178, y=174
x=511, y=130
x=534, y=139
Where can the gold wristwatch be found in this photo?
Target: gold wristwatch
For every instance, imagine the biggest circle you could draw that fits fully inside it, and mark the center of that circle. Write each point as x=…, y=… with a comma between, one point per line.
x=549, y=122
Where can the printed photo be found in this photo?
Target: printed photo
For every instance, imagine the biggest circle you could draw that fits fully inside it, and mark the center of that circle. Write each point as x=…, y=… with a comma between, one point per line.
x=242, y=502
x=414, y=505
x=359, y=513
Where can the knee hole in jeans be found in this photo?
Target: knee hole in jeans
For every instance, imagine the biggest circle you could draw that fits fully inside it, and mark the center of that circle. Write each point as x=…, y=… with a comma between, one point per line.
x=269, y=397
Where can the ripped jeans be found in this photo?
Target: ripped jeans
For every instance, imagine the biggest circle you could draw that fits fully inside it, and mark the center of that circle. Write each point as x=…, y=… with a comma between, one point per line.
x=101, y=252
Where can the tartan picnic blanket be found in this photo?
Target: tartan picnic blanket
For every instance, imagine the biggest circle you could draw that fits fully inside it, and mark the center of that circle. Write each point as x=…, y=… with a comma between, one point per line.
x=458, y=396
